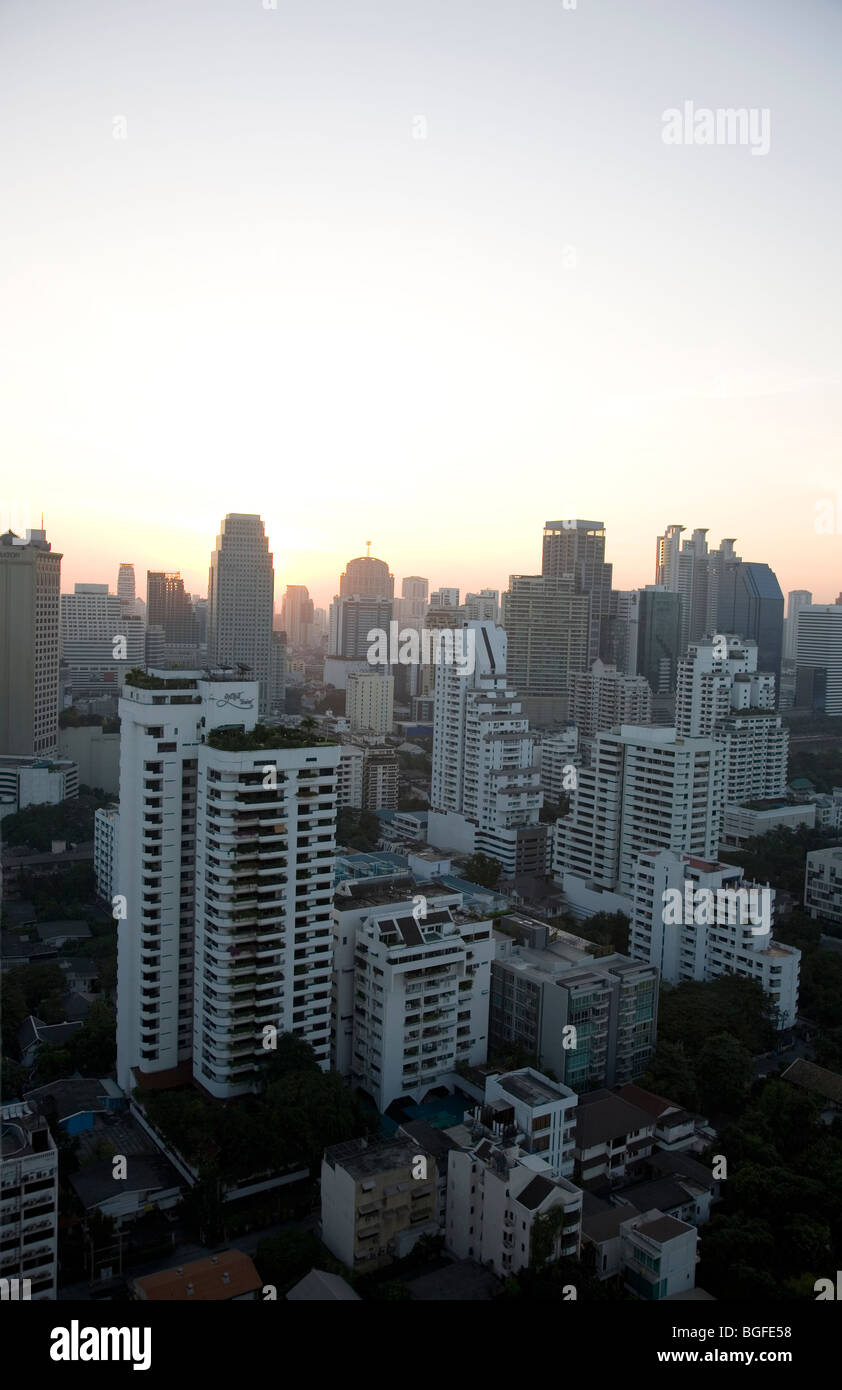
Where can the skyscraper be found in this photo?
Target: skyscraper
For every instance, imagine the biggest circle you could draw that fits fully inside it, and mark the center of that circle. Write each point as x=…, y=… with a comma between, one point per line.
x=297, y=615
x=100, y=640
x=227, y=881
x=820, y=657
x=168, y=607
x=577, y=548
x=654, y=642
x=126, y=588
x=547, y=625
x=364, y=602
x=367, y=575
x=796, y=599
x=752, y=604
x=241, y=590
x=30, y=579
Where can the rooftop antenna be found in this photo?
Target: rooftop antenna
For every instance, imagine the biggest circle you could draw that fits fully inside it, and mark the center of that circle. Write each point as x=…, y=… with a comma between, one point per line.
x=368, y=549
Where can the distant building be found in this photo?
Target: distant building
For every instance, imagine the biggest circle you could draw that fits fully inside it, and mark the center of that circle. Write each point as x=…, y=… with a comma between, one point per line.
x=106, y=836
x=227, y=1277
x=369, y=703
x=30, y=578
x=377, y=1201
x=36, y=781
x=602, y=698
x=819, y=658
x=29, y=1197
x=823, y=884
x=241, y=602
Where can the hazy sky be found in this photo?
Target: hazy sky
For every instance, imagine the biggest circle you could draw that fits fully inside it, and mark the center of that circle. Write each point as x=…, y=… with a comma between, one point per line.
x=235, y=279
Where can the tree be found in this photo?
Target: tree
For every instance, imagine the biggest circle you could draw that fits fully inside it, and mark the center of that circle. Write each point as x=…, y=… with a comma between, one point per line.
x=671, y=1074
x=284, y=1259
x=724, y=1070
x=484, y=870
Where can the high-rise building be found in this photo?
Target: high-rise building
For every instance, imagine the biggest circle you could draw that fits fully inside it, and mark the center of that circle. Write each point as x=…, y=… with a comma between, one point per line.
x=601, y=698
x=546, y=621
x=819, y=657
x=297, y=615
x=444, y=598
x=367, y=576
x=225, y=853
x=369, y=703
x=646, y=788
x=486, y=790
x=695, y=919
x=654, y=642
x=30, y=579
x=796, y=599
x=577, y=549
x=717, y=677
x=381, y=778
x=101, y=639
x=168, y=607
x=352, y=619
x=752, y=604
x=126, y=588
x=241, y=601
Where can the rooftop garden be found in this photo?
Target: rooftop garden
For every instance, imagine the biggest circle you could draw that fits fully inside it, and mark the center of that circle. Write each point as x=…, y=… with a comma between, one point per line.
x=143, y=681
x=240, y=740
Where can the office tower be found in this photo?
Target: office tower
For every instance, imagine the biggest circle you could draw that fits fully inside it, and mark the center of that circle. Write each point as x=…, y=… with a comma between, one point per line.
x=369, y=703
x=168, y=606
x=577, y=549
x=200, y=610
x=227, y=880
x=29, y=1197
x=486, y=792
x=547, y=624
x=752, y=604
x=352, y=619
x=542, y=988
x=278, y=673
x=601, y=698
x=819, y=658
x=30, y=577
x=396, y=974
x=297, y=615
x=655, y=637
x=444, y=598
x=367, y=576
x=644, y=789
x=126, y=588
x=101, y=640
x=241, y=590
x=483, y=607
x=712, y=927
x=796, y=599
x=667, y=552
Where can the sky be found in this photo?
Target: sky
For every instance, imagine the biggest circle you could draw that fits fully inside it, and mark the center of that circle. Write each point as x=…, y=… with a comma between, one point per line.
x=420, y=272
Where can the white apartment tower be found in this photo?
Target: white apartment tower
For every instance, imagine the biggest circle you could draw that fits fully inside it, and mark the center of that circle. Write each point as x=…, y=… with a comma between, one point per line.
x=30, y=577
x=369, y=702
x=724, y=927
x=820, y=650
x=646, y=788
x=240, y=602
x=225, y=853
x=486, y=788
x=602, y=698
x=28, y=1205
x=101, y=639
x=796, y=599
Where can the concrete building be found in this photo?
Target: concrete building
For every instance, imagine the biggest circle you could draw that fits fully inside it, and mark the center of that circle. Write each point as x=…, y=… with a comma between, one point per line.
x=126, y=588
x=645, y=788
x=352, y=617
x=100, y=640
x=547, y=626
x=819, y=657
x=410, y=988
x=653, y=643
x=577, y=548
x=26, y=781
x=591, y=1022
x=557, y=754
x=659, y=1255
x=367, y=576
x=377, y=1201
x=696, y=919
x=241, y=602
x=381, y=778
x=28, y=1204
x=483, y=607
x=168, y=607
x=496, y=1193
x=349, y=776
x=369, y=703
x=106, y=834
x=823, y=884
x=741, y=823
x=30, y=578
x=613, y=1138
x=602, y=698
x=228, y=881
x=485, y=787
x=95, y=753
x=796, y=599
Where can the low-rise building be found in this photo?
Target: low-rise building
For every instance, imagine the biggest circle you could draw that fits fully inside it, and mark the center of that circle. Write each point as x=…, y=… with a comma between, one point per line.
x=745, y=820
x=30, y=781
x=658, y=1255
x=28, y=1203
x=823, y=884
x=228, y=1277
x=613, y=1138
x=377, y=1200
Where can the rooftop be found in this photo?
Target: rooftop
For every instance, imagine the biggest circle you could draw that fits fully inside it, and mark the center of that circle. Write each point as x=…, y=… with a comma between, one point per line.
x=361, y=1157
x=532, y=1088
x=230, y=1274
x=601, y=1116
